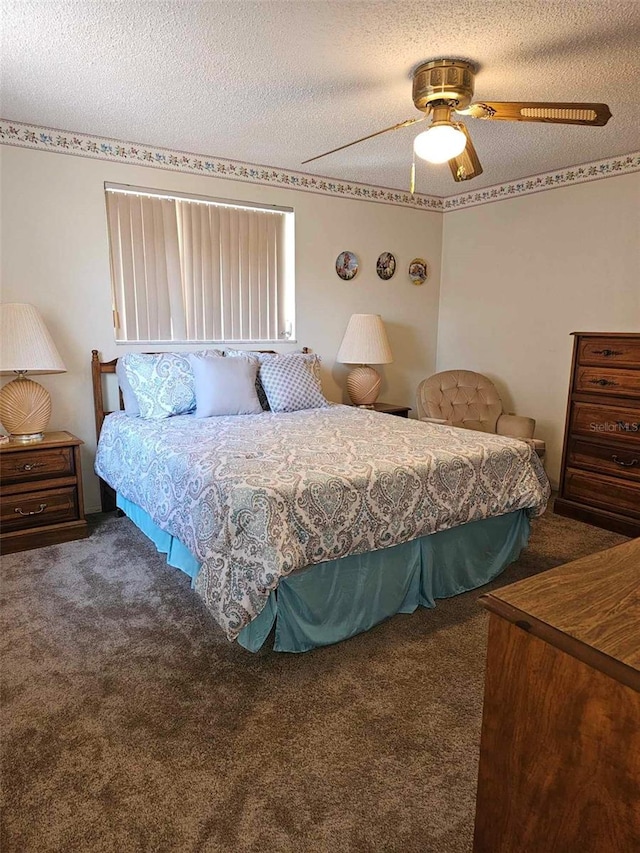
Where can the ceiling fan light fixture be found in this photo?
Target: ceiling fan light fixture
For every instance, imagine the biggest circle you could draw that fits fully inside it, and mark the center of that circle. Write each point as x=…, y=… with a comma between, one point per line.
x=440, y=143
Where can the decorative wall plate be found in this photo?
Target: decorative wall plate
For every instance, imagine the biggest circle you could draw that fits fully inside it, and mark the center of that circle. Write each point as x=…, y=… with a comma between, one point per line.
x=418, y=271
x=347, y=265
x=386, y=266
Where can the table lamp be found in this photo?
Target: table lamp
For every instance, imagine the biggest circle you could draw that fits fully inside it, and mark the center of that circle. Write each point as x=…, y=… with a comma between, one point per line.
x=365, y=342
x=25, y=347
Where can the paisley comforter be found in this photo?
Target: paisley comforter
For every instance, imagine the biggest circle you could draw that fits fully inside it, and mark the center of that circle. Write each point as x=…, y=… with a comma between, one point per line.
x=256, y=497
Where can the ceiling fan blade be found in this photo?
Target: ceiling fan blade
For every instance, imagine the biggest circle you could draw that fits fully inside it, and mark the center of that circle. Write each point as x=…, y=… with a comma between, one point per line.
x=402, y=124
x=595, y=115
x=466, y=165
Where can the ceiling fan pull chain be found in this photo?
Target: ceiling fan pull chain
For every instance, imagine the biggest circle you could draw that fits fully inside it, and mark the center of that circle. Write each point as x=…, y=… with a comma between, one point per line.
x=412, y=180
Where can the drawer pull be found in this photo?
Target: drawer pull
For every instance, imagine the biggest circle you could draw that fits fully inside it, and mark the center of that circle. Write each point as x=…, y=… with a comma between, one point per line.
x=29, y=466
x=603, y=382
x=623, y=463
x=33, y=511
x=608, y=352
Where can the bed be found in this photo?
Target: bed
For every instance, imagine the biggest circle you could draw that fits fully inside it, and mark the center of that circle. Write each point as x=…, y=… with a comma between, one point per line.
x=319, y=523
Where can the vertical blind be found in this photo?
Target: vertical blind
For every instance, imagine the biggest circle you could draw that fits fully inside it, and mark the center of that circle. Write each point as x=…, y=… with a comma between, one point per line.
x=185, y=270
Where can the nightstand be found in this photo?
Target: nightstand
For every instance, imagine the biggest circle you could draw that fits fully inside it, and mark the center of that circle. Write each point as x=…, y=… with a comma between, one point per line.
x=390, y=409
x=41, y=502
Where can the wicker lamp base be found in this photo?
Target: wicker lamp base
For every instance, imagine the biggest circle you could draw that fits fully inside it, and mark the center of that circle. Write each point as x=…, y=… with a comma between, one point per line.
x=25, y=409
x=363, y=385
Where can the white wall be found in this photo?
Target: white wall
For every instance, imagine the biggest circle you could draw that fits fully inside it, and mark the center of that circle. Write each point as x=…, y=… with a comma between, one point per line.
x=520, y=275
x=55, y=255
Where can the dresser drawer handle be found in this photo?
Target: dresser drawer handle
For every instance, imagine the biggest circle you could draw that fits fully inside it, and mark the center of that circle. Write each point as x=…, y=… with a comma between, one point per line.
x=625, y=464
x=603, y=382
x=608, y=352
x=33, y=512
x=29, y=466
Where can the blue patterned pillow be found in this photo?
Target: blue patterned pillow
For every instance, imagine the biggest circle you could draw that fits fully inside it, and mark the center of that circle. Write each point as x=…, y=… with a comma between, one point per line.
x=292, y=382
x=163, y=383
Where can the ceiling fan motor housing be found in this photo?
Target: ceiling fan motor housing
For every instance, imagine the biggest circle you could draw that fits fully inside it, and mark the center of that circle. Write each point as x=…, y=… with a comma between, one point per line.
x=449, y=80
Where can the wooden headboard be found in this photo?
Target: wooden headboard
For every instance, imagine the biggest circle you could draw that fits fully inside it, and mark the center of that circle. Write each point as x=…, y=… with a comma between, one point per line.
x=98, y=370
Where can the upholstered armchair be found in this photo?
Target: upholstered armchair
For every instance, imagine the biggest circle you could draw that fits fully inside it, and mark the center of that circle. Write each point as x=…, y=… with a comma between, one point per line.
x=462, y=398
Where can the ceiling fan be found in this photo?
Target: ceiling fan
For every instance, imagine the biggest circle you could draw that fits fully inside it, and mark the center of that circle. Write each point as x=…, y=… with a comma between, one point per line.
x=443, y=86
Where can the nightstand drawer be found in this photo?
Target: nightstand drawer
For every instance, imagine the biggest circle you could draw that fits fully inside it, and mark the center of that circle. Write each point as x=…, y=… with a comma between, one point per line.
x=49, y=506
x=36, y=464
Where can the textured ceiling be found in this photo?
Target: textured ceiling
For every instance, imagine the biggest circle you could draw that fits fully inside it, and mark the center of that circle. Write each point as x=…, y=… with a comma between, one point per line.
x=276, y=82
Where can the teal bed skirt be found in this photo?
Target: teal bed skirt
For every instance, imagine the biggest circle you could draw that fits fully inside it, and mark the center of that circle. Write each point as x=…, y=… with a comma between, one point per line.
x=332, y=601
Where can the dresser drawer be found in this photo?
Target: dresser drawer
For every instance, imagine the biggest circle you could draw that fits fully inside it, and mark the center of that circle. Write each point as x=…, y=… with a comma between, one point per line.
x=600, y=491
x=620, y=461
x=36, y=464
x=49, y=506
x=624, y=352
x=619, y=422
x=608, y=380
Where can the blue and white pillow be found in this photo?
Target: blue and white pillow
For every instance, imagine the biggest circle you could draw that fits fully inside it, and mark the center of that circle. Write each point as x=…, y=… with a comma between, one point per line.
x=292, y=382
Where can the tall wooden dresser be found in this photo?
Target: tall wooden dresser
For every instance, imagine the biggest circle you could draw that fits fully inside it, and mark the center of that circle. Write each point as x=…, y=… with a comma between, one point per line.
x=600, y=477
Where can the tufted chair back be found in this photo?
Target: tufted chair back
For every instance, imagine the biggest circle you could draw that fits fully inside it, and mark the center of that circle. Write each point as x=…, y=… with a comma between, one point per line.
x=461, y=397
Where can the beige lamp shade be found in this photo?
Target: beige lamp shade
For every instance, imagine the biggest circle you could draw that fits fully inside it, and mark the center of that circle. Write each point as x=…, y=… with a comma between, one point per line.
x=25, y=346
x=365, y=342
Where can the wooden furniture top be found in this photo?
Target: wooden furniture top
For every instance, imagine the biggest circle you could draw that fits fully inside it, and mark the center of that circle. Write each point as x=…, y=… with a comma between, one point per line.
x=59, y=438
x=589, y=608
x=607, y=334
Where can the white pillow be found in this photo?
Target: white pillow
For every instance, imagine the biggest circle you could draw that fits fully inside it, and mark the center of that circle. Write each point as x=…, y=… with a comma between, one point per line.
x=225, y=386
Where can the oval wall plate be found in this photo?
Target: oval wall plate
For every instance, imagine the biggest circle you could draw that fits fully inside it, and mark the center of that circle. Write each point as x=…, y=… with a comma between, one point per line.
x=386, y=266
x=418, y=271
x=347, y=265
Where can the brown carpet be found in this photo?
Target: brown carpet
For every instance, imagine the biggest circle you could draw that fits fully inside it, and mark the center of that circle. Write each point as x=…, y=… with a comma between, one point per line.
x=130, y=724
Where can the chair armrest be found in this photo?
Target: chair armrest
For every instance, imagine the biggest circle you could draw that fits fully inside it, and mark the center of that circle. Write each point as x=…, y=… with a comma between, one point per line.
x=515, y=426
x=435, y=421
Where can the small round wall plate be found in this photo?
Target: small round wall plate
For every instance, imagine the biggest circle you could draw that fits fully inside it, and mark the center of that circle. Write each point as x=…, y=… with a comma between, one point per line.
x=418, y=271
x=386, y=266
x=347, y=265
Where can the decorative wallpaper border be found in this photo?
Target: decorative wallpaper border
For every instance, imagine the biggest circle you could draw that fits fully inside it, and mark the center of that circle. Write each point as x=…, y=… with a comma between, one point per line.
x=103, y=148
x=622, y=165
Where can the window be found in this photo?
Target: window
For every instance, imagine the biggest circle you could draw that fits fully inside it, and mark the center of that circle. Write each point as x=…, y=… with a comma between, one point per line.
x=189, y=268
